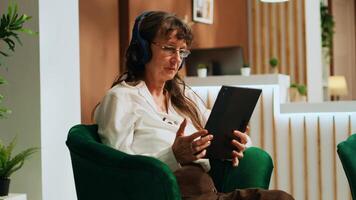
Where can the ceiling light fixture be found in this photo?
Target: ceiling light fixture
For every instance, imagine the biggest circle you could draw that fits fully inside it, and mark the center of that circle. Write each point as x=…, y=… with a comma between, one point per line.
x=273, y=1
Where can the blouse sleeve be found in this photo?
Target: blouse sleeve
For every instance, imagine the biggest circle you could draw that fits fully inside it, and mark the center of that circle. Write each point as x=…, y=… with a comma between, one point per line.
x=116, y=119
x=116, y=122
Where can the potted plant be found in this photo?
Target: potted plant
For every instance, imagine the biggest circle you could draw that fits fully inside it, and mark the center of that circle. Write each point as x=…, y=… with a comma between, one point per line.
x=9, y=163
x=274, y=63
x=11, y=24
x=297, y=93
x=245, y=70
x=202, y=70
x=327, y=28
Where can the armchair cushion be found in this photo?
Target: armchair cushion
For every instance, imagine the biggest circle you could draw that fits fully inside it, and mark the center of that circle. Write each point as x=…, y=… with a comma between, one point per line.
x=253, y=171
x=347, y=151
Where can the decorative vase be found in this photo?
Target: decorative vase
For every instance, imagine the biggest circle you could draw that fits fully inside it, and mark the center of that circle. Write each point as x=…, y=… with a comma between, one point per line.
x=245, y=71
x=202, y=72
x=4, y=186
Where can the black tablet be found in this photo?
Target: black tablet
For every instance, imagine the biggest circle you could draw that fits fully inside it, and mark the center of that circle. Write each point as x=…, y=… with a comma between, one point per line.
x=232, y=110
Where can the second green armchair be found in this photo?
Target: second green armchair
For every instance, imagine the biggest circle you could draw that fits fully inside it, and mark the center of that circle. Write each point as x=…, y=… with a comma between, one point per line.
x=347, y=152
x=101, y=172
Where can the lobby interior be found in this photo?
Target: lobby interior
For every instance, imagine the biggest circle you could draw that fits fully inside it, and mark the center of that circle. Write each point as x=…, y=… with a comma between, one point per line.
x=58, y=76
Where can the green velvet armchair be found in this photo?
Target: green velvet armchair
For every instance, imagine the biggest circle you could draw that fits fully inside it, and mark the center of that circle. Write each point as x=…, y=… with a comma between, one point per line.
x=347, y=152
x=101, y=172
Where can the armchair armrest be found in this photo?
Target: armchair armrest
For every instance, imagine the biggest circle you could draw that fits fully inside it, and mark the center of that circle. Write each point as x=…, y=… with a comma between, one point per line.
x=253, y=171
x=101, y=172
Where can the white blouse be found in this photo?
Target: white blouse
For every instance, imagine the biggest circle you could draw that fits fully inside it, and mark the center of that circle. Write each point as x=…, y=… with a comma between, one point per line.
x=129, y=120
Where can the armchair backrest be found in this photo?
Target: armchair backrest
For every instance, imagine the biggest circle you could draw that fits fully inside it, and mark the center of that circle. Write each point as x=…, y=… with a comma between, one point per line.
x=347, y=152
x=101, y=172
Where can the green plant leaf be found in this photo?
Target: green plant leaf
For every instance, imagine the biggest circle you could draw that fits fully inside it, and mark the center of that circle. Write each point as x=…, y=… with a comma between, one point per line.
x=9, y=9
x=2, y=81
x=273, y=62
x=327, y=26
x=17, y=162
x=8, y=164
x=302, y=89
x=12, y=23
x=293, y=85
x=4, y=54
x=245, y=65
x=28, y=31
x=201, y=65
x=4, y=112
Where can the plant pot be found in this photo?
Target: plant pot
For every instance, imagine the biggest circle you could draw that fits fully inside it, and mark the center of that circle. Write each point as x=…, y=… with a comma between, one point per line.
x=4, y=186
x=245, y=71
x=202, y=72
x=294, y=96
x=274, y=70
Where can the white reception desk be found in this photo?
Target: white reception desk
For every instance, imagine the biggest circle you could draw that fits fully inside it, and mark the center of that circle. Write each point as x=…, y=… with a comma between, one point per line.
x=302, y=138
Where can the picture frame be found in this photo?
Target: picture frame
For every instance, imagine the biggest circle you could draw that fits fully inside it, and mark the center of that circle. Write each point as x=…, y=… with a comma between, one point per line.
x=203, y=11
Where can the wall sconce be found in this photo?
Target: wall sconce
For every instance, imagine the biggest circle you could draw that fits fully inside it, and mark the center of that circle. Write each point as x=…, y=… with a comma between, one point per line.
x=273, y=1
x=337, y=86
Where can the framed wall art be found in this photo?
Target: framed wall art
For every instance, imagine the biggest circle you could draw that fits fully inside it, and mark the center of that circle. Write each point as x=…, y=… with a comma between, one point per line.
x=203, y=11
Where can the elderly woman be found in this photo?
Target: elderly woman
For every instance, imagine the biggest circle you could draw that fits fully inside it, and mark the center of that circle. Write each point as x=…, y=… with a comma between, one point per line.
x=150, y=111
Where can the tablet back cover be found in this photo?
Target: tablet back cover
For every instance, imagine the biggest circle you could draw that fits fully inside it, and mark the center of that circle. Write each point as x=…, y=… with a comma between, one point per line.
x=232, y=110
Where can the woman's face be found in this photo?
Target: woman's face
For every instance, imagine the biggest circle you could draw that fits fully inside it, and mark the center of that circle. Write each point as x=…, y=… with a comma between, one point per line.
x=166, y=58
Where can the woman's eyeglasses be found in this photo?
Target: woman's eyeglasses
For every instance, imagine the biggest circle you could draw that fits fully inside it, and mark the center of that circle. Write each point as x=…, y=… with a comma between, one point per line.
x=171, y=50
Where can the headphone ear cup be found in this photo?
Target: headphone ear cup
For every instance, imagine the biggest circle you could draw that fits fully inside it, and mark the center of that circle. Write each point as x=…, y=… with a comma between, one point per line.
x=141, y=42
x=145, y=49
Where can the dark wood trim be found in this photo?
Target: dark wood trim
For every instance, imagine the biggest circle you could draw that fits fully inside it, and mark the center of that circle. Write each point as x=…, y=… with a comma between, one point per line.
x=255, y=49
x=288, y=40
x=263, y=32
x=304, y=44
x=124, y=31
x=332, y=70
x=279, y=29
x=246, y=52
x=296, y=64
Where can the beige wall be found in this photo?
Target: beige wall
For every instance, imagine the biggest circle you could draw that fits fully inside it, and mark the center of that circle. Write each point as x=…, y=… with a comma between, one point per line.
x=278, y=30
x=229, y=26
x=99, y=50
x=105, y=30
x=344, y=44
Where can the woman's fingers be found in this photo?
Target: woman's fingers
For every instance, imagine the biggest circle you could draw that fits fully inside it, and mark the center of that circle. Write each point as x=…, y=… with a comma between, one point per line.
x=247, y=129
x=195, y=135
x=242, y=136
x=238, y=145
x=237, y=154
x=201, y=154
x=202, y=140
x=198, y=148
x=235, y=161
x=182, y=126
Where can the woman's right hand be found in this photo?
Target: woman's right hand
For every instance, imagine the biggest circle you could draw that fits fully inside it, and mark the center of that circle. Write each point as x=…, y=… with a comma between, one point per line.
x=188, y=148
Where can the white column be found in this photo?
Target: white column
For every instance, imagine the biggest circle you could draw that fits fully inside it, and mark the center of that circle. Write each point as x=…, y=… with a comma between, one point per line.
x=60, y=93
x=313, y=48
x=44, y=95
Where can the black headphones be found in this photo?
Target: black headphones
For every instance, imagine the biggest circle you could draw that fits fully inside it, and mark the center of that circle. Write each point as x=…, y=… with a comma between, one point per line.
x=143, y=45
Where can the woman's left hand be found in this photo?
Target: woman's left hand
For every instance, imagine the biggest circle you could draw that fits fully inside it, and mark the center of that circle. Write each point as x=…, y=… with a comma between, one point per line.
x=240, y=146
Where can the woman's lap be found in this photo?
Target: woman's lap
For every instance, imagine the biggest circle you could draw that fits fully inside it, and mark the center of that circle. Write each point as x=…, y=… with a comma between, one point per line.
x=195, y=184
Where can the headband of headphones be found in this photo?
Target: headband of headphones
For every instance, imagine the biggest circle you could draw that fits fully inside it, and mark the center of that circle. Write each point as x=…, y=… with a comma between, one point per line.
x=143, y=44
